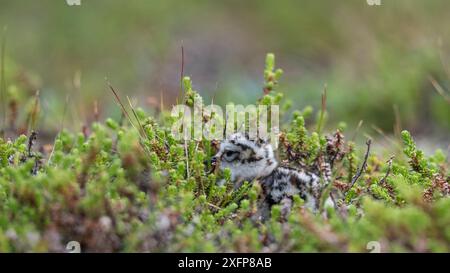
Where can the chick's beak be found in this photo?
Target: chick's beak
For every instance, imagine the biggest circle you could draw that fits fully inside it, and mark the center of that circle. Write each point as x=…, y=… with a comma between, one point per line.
x=213, y=164
x=213, y=161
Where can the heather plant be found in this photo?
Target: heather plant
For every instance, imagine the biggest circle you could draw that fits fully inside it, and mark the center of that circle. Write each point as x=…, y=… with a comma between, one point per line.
x=129, y=186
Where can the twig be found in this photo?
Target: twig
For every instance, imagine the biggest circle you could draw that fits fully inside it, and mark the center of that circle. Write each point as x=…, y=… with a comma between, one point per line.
x=439, y=89
x=341, y=166
x=33, y=115
x=214, y=206
x=119, y=102
x=31, y=140
x=181, y=71
x=363, y=167
x=142, y=131
x=187, y=158
x=124, y=111
x=383, y=180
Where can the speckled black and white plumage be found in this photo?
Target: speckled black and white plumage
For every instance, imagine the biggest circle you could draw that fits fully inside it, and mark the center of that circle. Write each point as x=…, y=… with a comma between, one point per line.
x=286, y=182
x=254, y=160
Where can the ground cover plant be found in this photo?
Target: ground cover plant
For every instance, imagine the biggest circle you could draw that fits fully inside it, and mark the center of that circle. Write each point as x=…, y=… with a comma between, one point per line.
x=127, y=185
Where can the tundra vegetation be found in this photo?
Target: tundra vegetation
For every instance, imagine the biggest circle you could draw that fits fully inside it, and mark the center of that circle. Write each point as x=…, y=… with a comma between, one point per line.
x=127, y=185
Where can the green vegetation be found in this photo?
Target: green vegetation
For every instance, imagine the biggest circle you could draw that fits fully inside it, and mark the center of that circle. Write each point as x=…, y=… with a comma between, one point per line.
x=127, y=185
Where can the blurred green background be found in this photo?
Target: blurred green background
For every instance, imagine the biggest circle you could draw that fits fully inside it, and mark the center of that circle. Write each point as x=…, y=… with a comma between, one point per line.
x=373, y=59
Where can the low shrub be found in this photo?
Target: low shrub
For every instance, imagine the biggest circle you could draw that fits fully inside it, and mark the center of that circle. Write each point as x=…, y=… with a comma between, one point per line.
x=132, y=187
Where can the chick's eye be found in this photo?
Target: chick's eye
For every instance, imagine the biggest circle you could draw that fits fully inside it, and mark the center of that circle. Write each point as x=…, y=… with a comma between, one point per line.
x=230, y=155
